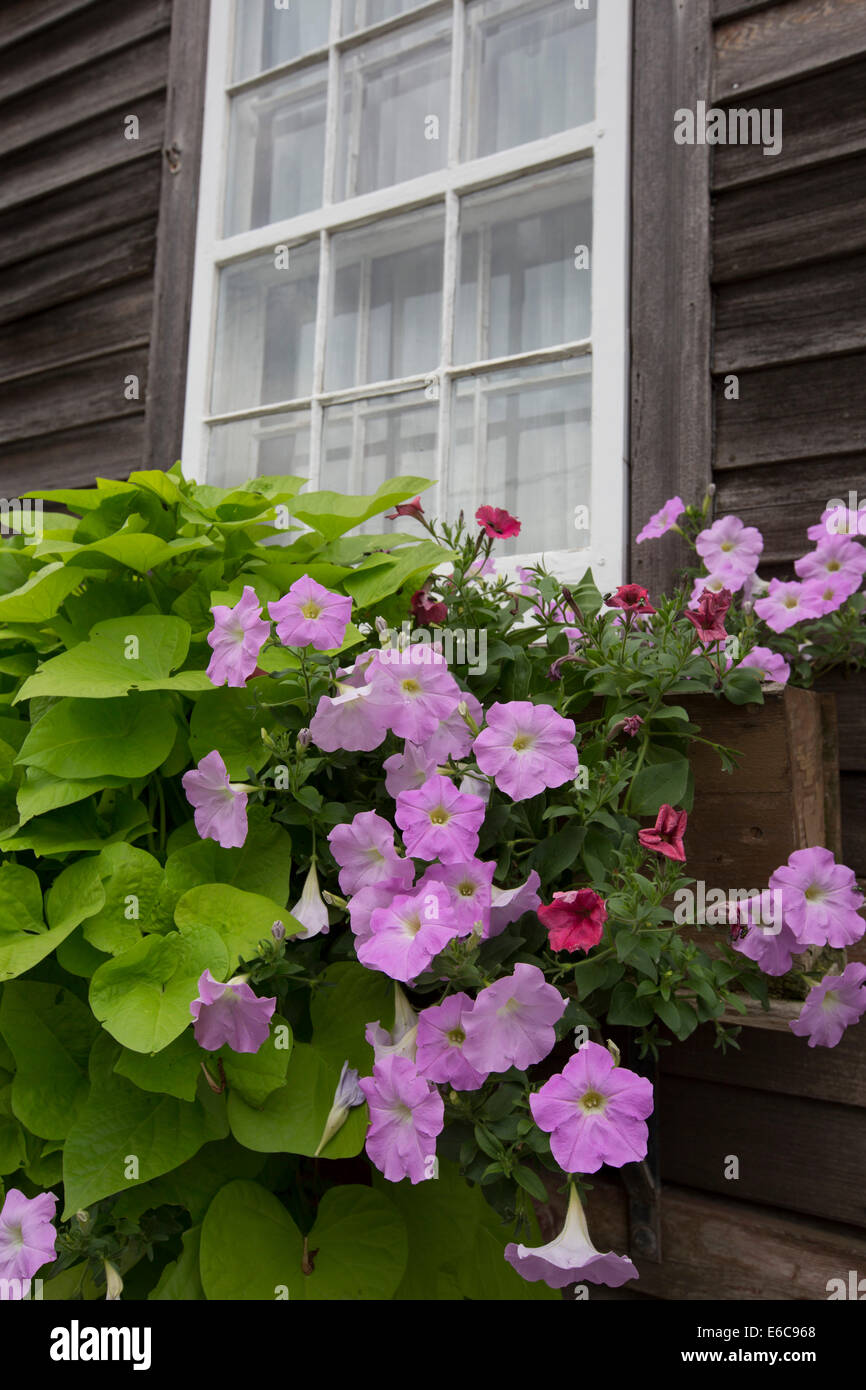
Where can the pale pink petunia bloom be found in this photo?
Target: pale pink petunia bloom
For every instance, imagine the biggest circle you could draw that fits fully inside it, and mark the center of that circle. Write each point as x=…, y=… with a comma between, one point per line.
x=309, y=615
x=720, y=580
x=441, y=1035
x=507, y=905
x=729, y=545
x=786, y=603
x=220, y=807
x=440, y=822
x=310, y=909
x=363, y=904
x=237, y=637
x=828, y=594
x=401, y=1040
x=413, y=690
x=661, y=521
x=453, y=738
x=832, y=1006
x=230, y=1015
x=767, y=940
x=27, y=1237
x=835, y=557
x=526, y=748
x=571, y=1257
x=468, y=886
x=364, y=850
x=594, y=1112
x=406, y=1114
x=408, y=934
x=409, y=770
x=769, y=665
x=839, y=521
x=348, y=721
x=511, y=1024
x=820, y=898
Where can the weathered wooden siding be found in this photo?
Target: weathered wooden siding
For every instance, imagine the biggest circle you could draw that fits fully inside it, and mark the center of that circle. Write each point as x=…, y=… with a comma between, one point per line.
x=83, y=209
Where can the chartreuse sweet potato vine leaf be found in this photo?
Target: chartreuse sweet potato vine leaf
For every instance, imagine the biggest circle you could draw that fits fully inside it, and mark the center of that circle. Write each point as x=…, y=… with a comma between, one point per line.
x=121, y=654
x=241, y=920
x=125, y=737
x=50, y=1033
x=334, y=513
x=25, y=940
x=252, y=1249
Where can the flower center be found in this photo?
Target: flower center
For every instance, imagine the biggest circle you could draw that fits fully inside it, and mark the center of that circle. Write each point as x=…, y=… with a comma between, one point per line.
x=466, y=889
x=456, y=1037
x=790, y=602
x=522, y=742
x=830, y=1000
x=511, y=1006
x=814, y=894
x=311, y=610
x=727, y=545
x=411, y=686
x=591, y=1102
x=413, y=923
x=403, y=1113
x=15, y=1235
x=440, y=816
x=833, y=565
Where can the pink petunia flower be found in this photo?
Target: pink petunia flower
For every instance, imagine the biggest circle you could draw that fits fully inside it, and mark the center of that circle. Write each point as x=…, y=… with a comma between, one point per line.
x=571, y=1257
x=716, y=583
x=237, y=638
x=220, y=807
x=594, y=1112
x=311, y=616
x=835, y=557
x=666, y=836
x=440, y=822
x=497, y=523
x=526, y=748
x=230, y=1015
x=469, y=886
x=828, y=594
x=820, y=899
x=729, y=545
x=363, y=904
x=769, y=665
x=406, y=1114
x=453, y=738
x=407, y=935
x=365, y=851
x=508, y=905
x=574, y=921
x=441, y=1035
x=511, y=1024
x=786, y=604
x=409, y=770
x=839, y=521
x=413, y=690
x=768, y=941
x=832, y=1006
x=401, y=1040
x=27, y=1237
x=348, y=721
x=482, y=569
x=310, y=909
x=662, y=521
x=411, y=509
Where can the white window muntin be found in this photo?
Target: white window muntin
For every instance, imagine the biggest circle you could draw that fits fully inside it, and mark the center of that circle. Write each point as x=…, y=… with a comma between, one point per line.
x=604, y=140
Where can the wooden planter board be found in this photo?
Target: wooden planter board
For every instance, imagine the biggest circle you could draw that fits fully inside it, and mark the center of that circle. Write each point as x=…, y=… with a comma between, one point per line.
x=849, y=694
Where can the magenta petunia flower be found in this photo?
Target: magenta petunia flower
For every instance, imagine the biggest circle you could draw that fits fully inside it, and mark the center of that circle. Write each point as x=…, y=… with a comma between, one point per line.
x=507, y=905
x=453, y=738
x=662, y=521
x=440, y=822
x=786, y=604
x=631, y=598
x=511, y=1024
x=769, y=665
x=729, y=545
x=526, y=748
x=497, y=523
x=406, y=1114
x=413, y=690
x=409, y=770
x=468, y=885
x=220, y=807
x=441, y=1035
x=364, y=850
x=820, y=899
x=574, y=921
x=408, y=934
x=411, y=509
x=237, y=637
x=428, y=611
x=348, y=721
x=836, y=557
x=594, y=1112
x=832, y=1006
x=230, y=1015
x=311, y=616
x=666, y=836
x=571, y=1257
x=27, y=1237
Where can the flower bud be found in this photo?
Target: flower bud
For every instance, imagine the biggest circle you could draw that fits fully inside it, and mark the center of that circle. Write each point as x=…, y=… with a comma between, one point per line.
x=278, y=931
x=463, y=711
x=113, y=1283
x=614, y=1052
x=305, y=738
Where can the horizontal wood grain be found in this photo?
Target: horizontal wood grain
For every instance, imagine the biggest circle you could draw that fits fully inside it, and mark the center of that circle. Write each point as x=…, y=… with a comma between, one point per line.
x=86, y=267
x=73, y=458
x=97, y=323
x=784, y=499
x=20, y=19
x=762, y=49
x=75, y=395
x=796, y=411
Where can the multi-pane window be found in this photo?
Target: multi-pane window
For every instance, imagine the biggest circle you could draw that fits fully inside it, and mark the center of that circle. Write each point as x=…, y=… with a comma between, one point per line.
x=412, y=255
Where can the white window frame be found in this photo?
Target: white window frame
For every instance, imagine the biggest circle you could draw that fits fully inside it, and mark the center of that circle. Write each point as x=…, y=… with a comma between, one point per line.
x=605, y=140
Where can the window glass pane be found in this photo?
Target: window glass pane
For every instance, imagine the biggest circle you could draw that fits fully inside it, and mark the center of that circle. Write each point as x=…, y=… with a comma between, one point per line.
x=521, y=440
x=522, y=284
x=266, y=330
x=394, y=109
x=359, y=14
x=386, y=301
x=530, y=71
x=276, y=150
x=369, y=441
x=249, y=448
x=267, y=34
